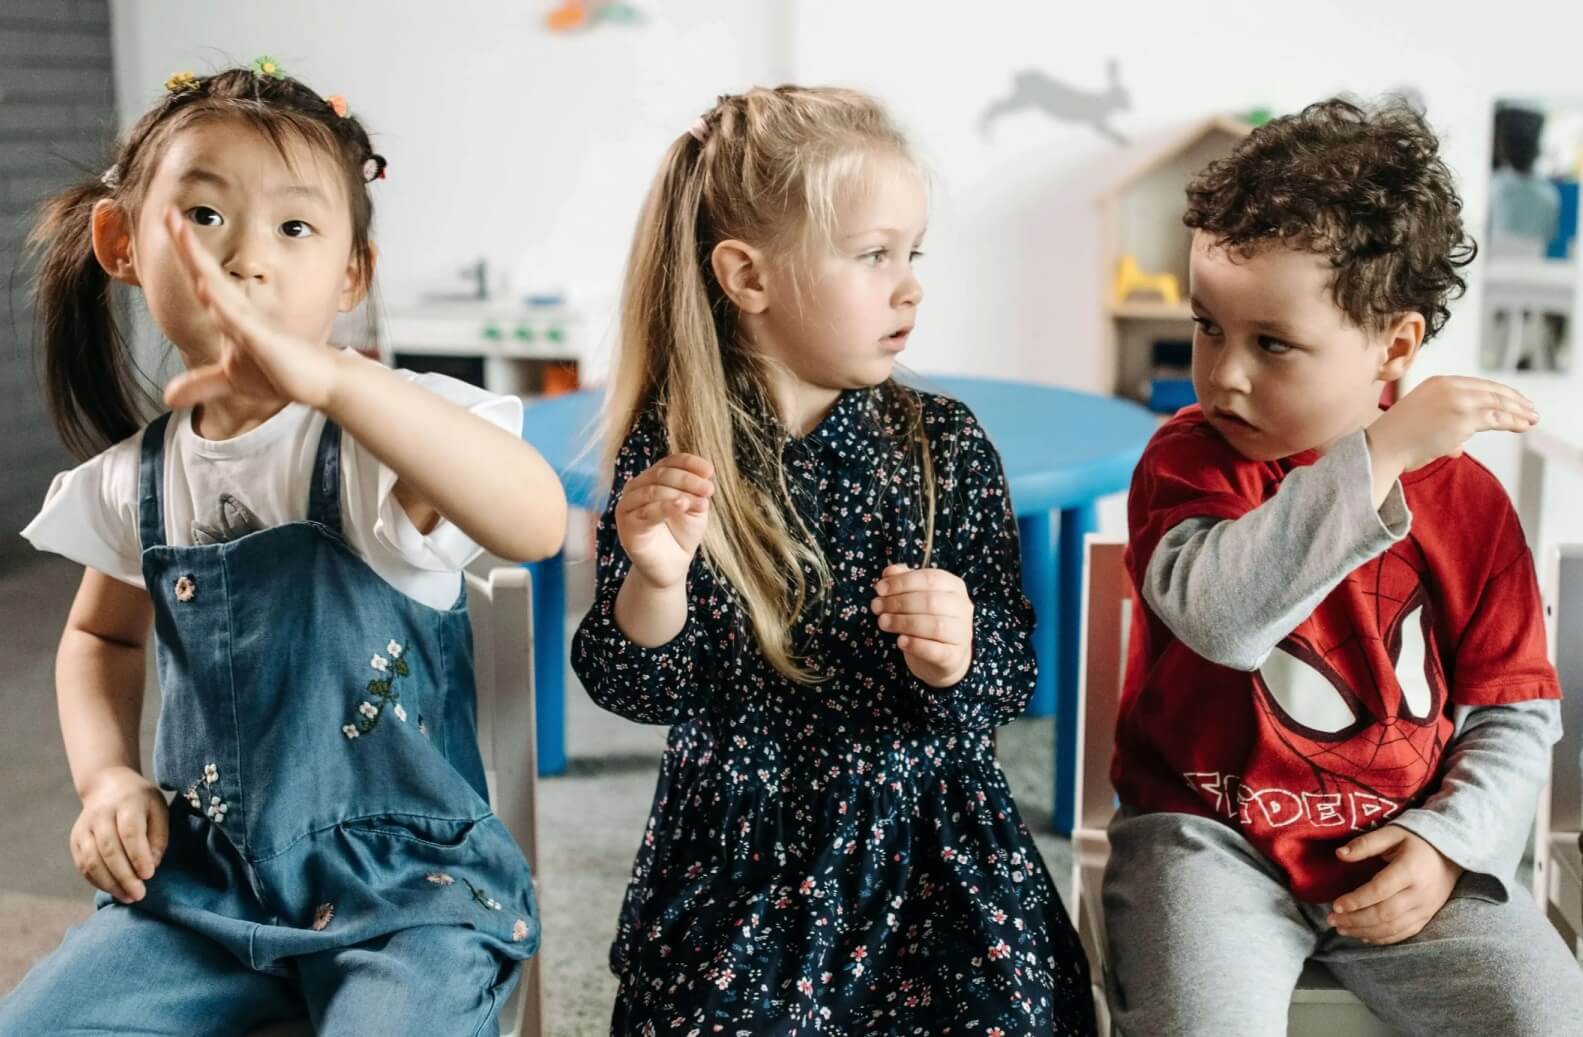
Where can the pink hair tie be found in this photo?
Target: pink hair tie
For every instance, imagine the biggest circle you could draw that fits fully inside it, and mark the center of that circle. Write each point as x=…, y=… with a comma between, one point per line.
x=699, y=130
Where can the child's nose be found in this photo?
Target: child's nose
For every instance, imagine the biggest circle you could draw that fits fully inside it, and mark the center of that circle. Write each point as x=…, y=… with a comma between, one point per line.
x=1230, y=374
x=910, y=292
x=245, y=261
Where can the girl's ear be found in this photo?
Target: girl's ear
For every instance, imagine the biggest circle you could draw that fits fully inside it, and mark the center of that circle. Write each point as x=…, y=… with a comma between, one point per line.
x=354, y=289
x=112, y=241
x=1402, y=339
x=740, y=270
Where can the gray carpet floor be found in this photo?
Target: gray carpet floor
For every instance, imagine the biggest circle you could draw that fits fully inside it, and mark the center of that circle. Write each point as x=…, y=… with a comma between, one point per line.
x=590, y=819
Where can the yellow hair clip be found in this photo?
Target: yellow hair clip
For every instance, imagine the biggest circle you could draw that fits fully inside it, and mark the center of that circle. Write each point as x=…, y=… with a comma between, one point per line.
x=181, y=82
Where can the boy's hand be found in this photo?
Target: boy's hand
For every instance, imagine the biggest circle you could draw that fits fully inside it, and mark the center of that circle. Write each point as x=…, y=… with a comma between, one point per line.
x=932, y=615
x=1398, y=902
x=662, y=515
x=121, y=834
x=1440, y=415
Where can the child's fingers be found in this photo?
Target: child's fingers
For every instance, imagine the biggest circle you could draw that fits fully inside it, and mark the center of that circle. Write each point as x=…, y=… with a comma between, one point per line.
x=1371, y=844
x=678, y=478
x=1390, y=882
x=1384, y=912
x=213, y=288
x=158, y=828
x=131, y=824
x=932, y=603
x=124, y=883
x=933, y=628
x=896, y=582
x=935, y=653
x=699, y=466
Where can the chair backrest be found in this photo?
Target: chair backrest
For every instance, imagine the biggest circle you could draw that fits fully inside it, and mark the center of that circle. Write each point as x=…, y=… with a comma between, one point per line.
x=1558, y=862
x=1102, y=660
x=500, y=604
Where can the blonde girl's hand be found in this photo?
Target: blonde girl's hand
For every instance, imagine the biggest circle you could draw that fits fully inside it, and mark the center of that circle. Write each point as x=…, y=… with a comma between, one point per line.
x=256, y=358
x=121, y=834
x=932, y=615
x=662, y=515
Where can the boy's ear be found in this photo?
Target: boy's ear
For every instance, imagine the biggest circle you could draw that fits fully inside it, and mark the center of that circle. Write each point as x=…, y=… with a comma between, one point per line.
x=740, y=270
x=354, y=289
x=1403, y=337
x=112, y=241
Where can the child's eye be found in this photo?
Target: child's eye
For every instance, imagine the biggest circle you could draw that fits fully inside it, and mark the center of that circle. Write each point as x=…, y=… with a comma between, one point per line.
x=297, y=229
x=1207, y=326
x=875, y=257
x=204, y=216
x=1273, y=346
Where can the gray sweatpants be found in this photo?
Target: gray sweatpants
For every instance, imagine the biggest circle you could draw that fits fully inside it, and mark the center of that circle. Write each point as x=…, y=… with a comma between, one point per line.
x=1205, y=938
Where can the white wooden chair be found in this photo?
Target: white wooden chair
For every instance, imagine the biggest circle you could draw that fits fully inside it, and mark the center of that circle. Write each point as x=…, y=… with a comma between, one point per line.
x=500, y=604
x=1321, y=1007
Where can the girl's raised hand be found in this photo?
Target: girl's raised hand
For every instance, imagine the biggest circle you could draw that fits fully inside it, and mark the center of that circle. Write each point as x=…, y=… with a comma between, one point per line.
x=256, y=358
x=932, y=615
x=662, y=515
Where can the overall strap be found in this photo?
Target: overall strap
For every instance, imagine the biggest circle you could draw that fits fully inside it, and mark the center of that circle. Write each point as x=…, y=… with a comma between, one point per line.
x=151, y=484
x=324, y=493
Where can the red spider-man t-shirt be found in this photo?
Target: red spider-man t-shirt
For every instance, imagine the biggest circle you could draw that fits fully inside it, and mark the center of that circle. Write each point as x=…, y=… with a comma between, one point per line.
x=1344, y=726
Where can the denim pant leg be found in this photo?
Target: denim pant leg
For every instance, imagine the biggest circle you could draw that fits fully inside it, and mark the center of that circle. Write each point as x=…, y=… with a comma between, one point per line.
x=420, y=981
x=124, y=971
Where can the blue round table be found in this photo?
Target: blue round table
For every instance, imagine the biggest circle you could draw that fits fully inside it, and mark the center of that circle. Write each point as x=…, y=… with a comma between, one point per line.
x=1062, y=451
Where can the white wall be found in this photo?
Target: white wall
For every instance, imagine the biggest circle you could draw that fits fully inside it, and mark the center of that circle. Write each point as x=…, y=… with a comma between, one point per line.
x=535, y=149
x=504, y=141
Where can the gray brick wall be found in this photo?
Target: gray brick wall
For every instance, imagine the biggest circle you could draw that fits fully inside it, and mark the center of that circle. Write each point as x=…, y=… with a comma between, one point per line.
x=57, y=119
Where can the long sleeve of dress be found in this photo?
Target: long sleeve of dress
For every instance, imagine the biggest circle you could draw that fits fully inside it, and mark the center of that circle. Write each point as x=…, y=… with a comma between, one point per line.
x=975, y=512
x=658, y=685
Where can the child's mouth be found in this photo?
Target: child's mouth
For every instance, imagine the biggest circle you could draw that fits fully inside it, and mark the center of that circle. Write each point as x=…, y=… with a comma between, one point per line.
x=897, y=340
x=1232, y=418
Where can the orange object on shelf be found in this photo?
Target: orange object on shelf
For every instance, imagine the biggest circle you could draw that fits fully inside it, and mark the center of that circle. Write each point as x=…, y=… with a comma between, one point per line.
x=560, y=379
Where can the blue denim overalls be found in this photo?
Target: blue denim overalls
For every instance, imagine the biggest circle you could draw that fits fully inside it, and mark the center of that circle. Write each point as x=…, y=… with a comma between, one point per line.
x=318, y=728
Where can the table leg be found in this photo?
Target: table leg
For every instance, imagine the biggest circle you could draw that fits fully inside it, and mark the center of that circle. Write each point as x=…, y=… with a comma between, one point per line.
x=549, y=662
x=1076, y=524
x=1039, y=584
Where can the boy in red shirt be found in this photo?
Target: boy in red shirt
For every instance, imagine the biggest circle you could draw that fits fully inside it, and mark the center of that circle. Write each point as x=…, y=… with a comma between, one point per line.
x=1338, y=708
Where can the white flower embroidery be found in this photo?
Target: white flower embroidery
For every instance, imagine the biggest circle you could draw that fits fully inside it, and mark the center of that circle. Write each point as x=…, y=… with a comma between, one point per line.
x=349, y=730
x=401, y=714
x=211, y=773
x=440, y=878
x=519, y=932
x=380, y=663
x=423, y=728
x=393, y=650
x=322, y=915
x=368, y=710
x=186, y=589
x=192, y=797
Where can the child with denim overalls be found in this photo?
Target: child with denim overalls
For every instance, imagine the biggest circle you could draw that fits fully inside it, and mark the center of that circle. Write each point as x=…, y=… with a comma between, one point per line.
x=295, y=531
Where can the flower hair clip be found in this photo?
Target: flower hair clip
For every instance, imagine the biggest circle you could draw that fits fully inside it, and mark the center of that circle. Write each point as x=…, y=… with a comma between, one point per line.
x=181, y=83
x=699, y=129
x=265, y=65
x=374, y=168
x=337, y=105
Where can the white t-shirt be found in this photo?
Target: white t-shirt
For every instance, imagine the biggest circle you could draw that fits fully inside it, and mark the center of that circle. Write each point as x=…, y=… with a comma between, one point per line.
x=218, y=490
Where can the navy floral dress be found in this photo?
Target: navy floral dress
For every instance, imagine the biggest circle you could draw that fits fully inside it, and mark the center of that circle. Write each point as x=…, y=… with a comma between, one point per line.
x=841, y=858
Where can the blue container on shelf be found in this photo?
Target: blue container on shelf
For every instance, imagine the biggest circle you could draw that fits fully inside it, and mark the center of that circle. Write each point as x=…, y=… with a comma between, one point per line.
x=1169, y=395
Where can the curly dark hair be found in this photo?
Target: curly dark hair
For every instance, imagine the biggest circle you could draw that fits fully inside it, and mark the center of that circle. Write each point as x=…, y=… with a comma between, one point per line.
x=1366, y=189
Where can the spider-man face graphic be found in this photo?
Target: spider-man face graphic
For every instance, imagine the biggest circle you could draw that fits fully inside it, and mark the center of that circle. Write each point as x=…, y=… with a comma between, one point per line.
x=1362, y=704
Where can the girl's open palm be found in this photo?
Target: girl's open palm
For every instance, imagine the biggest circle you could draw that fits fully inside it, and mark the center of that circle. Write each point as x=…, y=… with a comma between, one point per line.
x=662, y=515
